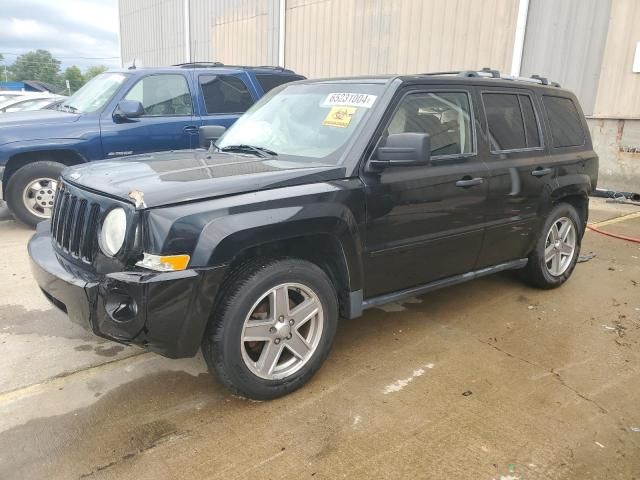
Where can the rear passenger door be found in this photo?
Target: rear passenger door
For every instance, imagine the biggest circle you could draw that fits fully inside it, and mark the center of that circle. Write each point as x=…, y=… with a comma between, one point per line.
x=223, y=98
x=520, y=170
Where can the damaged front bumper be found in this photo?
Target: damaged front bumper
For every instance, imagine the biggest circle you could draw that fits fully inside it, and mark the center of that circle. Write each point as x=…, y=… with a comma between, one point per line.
x=166, y=312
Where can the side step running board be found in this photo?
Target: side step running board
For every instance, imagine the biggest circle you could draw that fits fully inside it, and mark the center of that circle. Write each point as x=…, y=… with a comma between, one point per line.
x=445, y=282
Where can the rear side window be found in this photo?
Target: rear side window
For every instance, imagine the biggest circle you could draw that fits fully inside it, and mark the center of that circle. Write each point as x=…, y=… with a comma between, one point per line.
x=564, y=119
x=269, y=81
x=225, y=94
x=512, y=121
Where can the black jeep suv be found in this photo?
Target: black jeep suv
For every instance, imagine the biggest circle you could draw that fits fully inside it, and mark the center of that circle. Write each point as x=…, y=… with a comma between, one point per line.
x=326, y=198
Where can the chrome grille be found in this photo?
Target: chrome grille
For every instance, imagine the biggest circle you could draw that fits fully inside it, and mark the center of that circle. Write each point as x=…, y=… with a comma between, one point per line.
x=74, y=224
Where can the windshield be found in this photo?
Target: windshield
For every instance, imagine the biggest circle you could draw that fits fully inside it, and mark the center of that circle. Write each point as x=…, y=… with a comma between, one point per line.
x=305, y=120
x=94, y=95
x=27, y=105
x=7, y=96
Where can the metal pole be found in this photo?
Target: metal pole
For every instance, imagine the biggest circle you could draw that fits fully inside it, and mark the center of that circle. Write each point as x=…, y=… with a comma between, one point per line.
x=187, y=31
x=282, y=31
x=518, y=42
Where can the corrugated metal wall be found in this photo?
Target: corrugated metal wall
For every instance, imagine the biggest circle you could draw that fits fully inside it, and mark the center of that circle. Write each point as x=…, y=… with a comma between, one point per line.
x=619, y=88
x=235, y=31
x=152, y=32
x=564, y=41
x=325, y=37
x=350, y=37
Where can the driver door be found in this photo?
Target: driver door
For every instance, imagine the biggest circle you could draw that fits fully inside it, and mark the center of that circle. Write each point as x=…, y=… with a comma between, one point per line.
x=425, y=223
x=168, y=122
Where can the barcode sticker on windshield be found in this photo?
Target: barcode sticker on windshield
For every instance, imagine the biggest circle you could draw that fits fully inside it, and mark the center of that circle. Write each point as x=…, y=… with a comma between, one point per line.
x=349, y=100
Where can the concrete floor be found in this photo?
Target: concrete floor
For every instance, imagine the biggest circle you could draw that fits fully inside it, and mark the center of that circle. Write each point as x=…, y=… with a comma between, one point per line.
x=487, y=380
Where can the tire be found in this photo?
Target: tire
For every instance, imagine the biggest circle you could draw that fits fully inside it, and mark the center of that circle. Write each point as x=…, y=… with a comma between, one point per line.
x=20, y=181
x=543, y=274
x=244, y=307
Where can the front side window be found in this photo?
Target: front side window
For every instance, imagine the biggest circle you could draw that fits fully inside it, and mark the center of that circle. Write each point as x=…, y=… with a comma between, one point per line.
x=162, y=95
x=512, y=121
x=225, y=94
x=566, y=127
x=445, y=116
x=305, y=122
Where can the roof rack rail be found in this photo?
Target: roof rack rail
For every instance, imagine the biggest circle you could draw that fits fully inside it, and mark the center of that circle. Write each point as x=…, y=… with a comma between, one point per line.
x=199, y=64
x=220, y=64
x=266, y=67
x=545, y=81
x=487, y=72
x=481, y=73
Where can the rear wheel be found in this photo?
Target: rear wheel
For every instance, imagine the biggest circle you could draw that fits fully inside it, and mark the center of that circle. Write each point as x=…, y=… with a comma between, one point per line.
x=556, y=252
x=273, y=328
x=31, y=191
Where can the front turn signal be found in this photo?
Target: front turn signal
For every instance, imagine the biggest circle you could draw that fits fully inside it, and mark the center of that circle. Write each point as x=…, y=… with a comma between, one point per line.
x=164, y=263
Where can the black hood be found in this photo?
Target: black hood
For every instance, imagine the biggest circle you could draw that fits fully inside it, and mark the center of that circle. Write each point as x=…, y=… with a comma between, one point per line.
x=180, y=176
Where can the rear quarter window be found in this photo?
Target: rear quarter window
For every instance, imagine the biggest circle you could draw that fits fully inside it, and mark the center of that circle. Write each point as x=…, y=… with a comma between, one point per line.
x=270, y=81
x=565, y=121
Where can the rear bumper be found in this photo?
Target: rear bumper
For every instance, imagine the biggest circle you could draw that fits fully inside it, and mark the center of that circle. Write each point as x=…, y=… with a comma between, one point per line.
x=166, y=313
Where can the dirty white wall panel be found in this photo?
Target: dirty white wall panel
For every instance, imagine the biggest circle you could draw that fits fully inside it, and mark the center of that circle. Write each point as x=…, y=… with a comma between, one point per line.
x=619, y=88
x=350, y=37
x=235, y=31
x=617, y=143
x=564, y=41
x=152, y=32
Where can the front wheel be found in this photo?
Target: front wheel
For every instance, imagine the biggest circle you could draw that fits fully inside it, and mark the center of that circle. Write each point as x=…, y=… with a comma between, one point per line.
x=31, y=191
x=273, y=327
x=556, y=252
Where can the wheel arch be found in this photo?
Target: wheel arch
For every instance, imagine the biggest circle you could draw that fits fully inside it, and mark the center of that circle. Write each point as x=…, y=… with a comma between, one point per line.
x=329, y=242
x=324, y=250
x=574, y=190
x=68, y=157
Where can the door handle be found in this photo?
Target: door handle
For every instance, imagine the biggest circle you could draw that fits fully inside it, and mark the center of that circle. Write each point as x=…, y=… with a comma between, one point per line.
x=467, y=181
x=541, y=172
x=190, y=129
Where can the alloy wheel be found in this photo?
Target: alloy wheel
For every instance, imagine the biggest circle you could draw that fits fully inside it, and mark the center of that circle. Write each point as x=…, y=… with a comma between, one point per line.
x=560, y=246
x=282, y=331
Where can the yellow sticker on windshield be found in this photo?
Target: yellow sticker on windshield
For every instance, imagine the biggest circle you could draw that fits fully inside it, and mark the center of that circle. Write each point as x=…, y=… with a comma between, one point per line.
x=339, y=117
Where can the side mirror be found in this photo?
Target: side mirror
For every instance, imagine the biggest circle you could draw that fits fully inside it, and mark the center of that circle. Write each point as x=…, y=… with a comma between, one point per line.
x=129, y=109
x=403, y=150
x=209, y=133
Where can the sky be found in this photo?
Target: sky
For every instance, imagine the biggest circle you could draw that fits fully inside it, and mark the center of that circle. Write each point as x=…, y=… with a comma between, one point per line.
x=77, y=32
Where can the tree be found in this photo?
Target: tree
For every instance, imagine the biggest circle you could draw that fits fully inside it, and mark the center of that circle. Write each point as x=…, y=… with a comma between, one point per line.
x=74, y=76
x=36, y=65
x=91, y=72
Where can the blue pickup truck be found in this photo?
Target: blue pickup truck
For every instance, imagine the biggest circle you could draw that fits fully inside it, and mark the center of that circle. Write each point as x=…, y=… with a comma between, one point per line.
x=119, y=113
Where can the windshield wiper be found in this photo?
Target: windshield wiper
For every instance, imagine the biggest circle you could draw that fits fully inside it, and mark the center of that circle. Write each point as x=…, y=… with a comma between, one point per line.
x=259, y=151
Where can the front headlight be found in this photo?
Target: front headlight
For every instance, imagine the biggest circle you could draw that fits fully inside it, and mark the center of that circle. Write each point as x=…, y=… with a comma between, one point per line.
x=114, y=228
